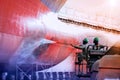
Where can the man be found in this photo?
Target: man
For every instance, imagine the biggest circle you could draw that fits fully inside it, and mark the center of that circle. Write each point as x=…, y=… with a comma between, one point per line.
x=83, y=47
x=96, y=45
x=95, y=41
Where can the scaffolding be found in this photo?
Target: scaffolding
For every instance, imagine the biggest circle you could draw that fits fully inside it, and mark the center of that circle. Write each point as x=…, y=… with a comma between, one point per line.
x=83, y=67
x=25, y=71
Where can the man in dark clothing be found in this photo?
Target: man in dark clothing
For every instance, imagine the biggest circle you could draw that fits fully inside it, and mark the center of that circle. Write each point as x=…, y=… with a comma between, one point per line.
x=96, y=45
x=83, y=47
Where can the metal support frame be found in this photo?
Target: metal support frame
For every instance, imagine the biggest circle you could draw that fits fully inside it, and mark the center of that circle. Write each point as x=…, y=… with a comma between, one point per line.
x=23, y=71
